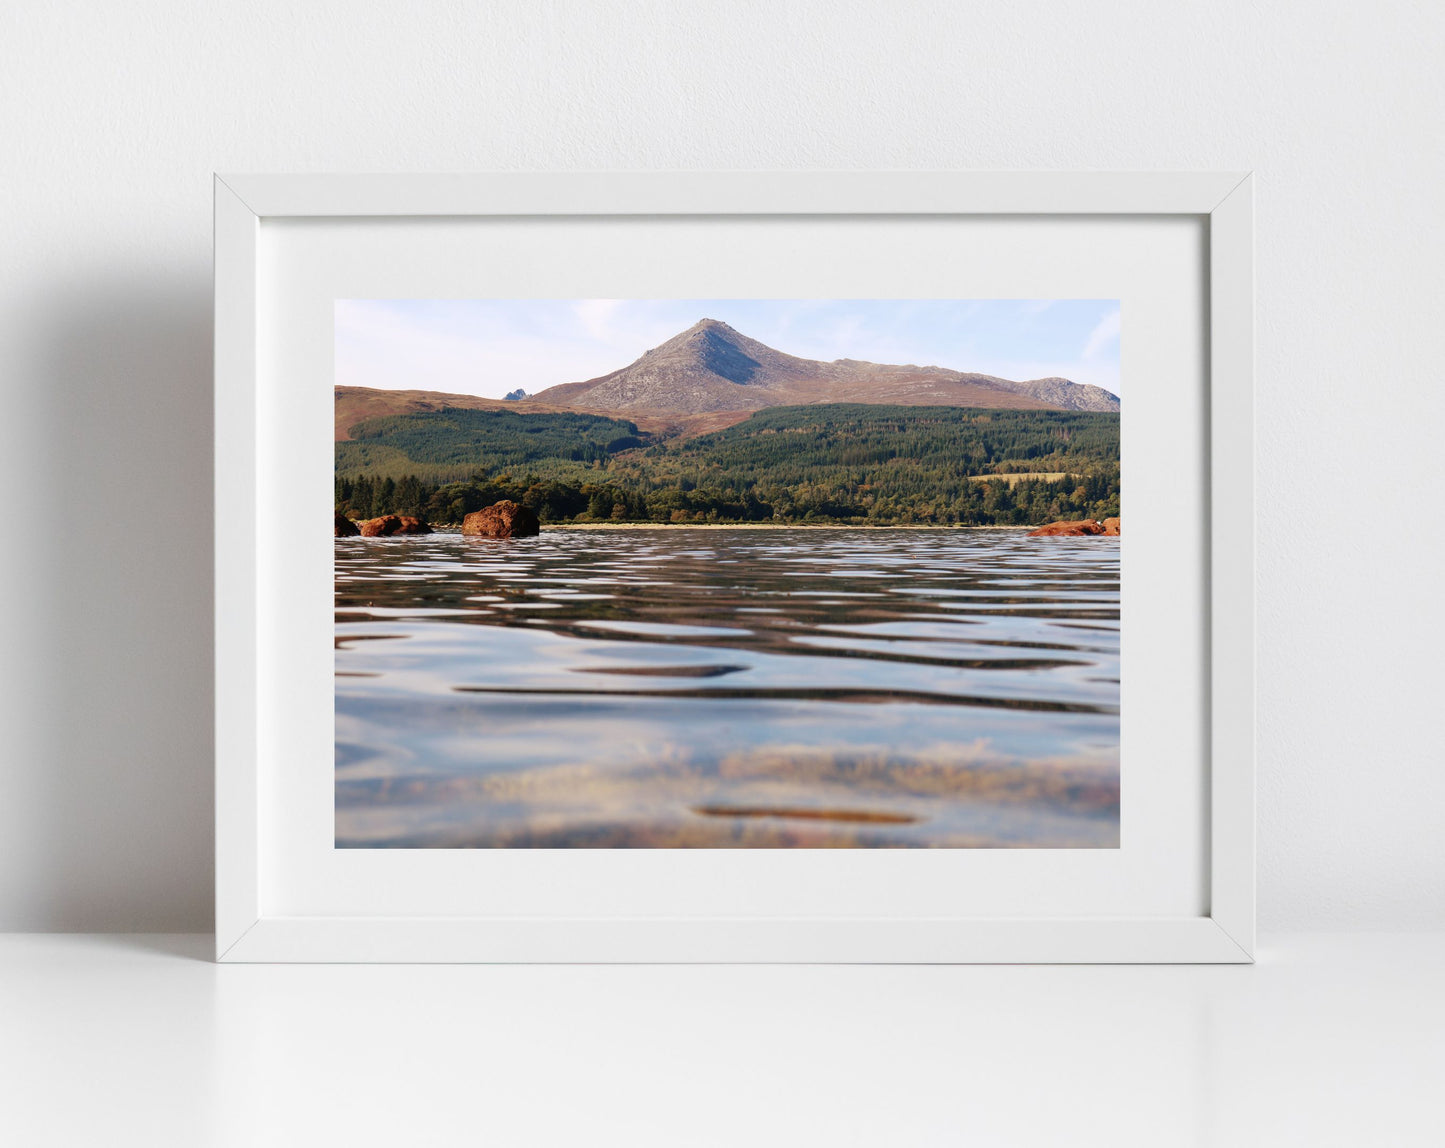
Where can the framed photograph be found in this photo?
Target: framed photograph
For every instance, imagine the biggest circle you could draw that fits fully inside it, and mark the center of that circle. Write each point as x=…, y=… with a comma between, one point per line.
x=731, y=567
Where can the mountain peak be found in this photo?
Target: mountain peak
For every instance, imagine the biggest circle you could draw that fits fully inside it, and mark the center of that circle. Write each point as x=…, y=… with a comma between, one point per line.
x=708, y=347
x=712, y=367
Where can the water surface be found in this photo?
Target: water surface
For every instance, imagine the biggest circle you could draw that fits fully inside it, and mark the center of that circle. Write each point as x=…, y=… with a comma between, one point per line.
x=679, y=687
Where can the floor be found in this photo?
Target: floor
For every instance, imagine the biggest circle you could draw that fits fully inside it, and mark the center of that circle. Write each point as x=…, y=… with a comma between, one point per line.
x=119, y=1040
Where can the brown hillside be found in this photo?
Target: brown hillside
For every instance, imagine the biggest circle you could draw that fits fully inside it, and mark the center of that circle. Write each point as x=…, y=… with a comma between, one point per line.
x=357, y=404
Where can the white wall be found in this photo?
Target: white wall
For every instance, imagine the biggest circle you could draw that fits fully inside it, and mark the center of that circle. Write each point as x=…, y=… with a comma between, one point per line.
x=113, y=115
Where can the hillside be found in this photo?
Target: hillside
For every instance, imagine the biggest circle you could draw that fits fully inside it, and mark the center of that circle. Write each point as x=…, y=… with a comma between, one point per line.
x=457, y=442
x=857, y=463
x=360, y=404
x=715, y=426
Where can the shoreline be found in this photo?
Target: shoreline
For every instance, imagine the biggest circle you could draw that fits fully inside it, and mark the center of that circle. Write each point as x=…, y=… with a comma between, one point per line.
x=765, y=526
x=552, y=527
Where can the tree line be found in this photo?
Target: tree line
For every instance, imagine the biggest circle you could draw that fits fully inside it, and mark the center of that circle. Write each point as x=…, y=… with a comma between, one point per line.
x=843, y=463
x=990, y=502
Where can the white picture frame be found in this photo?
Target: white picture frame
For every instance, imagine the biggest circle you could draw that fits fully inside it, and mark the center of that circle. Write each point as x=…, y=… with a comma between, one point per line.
x=1223, y=933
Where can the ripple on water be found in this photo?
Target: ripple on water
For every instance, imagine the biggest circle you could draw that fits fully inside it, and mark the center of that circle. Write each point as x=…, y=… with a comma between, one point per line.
x=685, y=688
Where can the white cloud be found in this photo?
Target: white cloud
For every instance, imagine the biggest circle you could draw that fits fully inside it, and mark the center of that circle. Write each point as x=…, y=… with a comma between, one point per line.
x=596, y=316
x=468, y=349
x=1103, y=336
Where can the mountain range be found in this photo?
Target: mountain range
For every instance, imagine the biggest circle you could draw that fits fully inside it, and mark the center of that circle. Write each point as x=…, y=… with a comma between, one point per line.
x=712, y=376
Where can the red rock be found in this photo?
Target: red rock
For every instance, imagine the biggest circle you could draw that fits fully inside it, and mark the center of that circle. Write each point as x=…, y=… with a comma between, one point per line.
x=345, y=528
x=503, y=519
x=389, y=524
x=1111, y=526
x=1066, y=529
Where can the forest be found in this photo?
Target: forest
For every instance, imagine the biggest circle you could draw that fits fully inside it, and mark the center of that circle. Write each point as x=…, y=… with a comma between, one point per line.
x=839, y=463
x=453, y=443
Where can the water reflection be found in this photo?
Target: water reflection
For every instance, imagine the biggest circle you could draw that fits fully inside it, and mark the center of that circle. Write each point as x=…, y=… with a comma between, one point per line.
x=721, y=688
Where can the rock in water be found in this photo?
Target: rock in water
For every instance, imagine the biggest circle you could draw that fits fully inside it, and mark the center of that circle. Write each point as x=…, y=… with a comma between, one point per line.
x=345, y=528
x=389, y=524
x=1111, y=526
x=502, y=520
x=1067, y=529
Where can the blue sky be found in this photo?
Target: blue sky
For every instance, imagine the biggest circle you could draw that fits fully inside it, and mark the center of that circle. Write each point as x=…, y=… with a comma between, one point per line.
x=491, y=346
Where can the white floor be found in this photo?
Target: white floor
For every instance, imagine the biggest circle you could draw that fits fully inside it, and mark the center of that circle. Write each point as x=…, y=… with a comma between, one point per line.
x=1329, y=1039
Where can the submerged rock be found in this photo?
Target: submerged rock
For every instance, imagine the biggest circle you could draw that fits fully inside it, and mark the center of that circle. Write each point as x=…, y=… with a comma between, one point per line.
x=389, y=524
x=1111, y=526
x=503, y=519
x=345, y=528
x=1068, y=529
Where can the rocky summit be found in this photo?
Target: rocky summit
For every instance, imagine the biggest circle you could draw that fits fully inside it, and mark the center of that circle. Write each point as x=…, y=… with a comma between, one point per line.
x=712, y=367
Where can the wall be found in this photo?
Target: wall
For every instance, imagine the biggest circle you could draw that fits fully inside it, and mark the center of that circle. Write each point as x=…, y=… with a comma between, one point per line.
x=114, y=115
